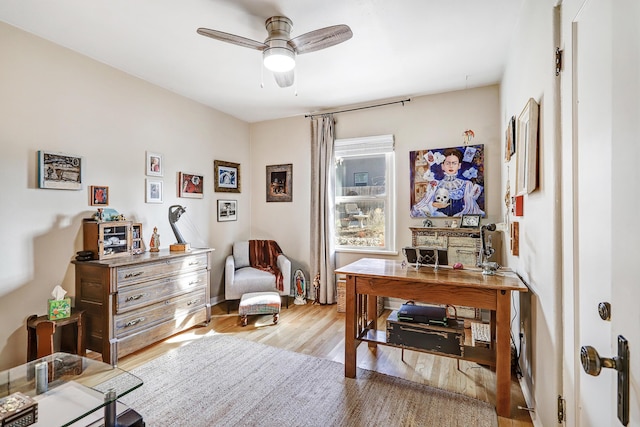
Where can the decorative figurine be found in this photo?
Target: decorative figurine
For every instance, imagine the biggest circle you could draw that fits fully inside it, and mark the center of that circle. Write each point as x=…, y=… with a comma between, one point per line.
x=154, y=245
x=301, y=288
x=316, y=288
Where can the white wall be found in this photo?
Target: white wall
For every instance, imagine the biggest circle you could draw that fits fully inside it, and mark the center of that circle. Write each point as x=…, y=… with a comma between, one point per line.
x=434, y=121
x=530, y=73
x=54, y=99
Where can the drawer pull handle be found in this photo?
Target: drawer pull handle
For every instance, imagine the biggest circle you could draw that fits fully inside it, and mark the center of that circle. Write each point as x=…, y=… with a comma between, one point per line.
x=194, y=282
x=193, y=301
x=194, y=263
x=134, y=297
x=134, y=322
x=130, y=275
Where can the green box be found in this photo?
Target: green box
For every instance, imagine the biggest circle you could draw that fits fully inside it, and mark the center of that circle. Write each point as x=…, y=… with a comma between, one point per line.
x=59, y=308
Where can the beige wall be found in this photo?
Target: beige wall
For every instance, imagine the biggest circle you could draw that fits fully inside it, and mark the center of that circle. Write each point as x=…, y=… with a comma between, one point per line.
x=426, y=122
x=56, y=100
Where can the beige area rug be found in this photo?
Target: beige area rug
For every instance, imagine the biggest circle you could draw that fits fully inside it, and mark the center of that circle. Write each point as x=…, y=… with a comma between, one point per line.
x=221, y=380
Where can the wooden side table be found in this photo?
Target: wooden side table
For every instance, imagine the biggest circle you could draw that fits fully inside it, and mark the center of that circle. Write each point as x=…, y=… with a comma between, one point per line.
x=40, y=331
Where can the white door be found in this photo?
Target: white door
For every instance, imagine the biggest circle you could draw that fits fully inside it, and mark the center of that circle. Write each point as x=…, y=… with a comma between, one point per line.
x=606, y=194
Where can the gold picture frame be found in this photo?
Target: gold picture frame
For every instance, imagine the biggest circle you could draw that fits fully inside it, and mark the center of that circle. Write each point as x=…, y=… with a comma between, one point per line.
x=279, y=183
x=527, y=149
x=226, y=177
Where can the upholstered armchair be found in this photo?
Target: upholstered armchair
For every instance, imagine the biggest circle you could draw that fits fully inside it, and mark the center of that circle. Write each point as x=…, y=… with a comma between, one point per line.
x=240, y=278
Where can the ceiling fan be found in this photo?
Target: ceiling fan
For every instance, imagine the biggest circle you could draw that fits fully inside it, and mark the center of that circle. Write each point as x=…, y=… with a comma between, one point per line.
x=279, y=50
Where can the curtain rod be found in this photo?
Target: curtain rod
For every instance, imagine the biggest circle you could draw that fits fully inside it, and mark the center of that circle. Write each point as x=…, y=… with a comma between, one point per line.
x=358, y=108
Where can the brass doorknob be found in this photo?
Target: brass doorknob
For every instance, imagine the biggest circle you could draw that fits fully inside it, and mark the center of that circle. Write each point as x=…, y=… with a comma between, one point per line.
x=592, y=363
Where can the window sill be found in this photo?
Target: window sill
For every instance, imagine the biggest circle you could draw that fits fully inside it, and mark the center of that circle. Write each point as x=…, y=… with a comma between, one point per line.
x=388, y=252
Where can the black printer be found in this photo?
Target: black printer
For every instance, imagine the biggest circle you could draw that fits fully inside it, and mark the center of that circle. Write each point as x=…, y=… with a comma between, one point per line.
x=423, y=314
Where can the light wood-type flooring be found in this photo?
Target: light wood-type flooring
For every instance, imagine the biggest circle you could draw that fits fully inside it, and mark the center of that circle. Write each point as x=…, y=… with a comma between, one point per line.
x=318, y=330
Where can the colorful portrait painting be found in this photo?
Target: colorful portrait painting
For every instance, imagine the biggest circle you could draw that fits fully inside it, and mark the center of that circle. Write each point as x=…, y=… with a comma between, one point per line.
x=447, y=182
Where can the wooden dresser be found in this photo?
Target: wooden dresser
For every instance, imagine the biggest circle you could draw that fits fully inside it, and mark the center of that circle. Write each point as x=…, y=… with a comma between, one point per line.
x=132, y=302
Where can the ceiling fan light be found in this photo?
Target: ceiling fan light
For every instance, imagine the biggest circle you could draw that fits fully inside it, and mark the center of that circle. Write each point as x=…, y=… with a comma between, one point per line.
x=279, y=59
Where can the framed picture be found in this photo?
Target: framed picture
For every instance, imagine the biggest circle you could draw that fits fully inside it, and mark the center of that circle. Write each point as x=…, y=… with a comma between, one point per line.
x=360, y=179
x=99, y=195
x=470, y=221
x=527, y=149
x=154, y=191
x=510, y=139
x=227, y=176
x=447, y=182
x=227, y=210
x=59, y=171
x=190, y=185
x=279, y=183
x=155, y=164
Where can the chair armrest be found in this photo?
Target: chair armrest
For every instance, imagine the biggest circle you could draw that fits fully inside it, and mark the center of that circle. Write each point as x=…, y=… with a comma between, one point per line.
x=229, y=270
x=284, y=264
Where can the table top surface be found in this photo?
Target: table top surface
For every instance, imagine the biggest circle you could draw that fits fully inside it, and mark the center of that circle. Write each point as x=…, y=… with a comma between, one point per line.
x=444, y=275
x=70, y=373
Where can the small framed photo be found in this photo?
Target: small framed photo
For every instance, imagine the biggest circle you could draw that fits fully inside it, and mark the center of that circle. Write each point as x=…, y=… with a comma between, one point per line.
x=99, y=195
x=360, y=179
x=470, y=221
x=227, y=210
x=155, y=164
x=154, y=191
x=227, y=176
x=59, y=171
x=190, y=185
x=279, y=183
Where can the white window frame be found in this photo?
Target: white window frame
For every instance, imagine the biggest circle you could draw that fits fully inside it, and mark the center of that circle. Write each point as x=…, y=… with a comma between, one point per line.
x=372, y=145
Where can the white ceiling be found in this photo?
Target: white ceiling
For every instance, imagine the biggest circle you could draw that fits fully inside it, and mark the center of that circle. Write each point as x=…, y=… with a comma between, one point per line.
x=400, y=48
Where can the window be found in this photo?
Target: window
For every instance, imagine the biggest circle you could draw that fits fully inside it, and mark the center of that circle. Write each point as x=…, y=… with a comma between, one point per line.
x=364, y=196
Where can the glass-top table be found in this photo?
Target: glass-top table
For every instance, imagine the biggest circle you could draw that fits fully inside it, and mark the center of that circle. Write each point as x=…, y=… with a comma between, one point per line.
x=75, y=391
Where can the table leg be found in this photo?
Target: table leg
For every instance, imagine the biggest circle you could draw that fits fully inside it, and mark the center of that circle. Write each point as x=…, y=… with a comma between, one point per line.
x=350, y=347
x=503, y=354
x=372, y=317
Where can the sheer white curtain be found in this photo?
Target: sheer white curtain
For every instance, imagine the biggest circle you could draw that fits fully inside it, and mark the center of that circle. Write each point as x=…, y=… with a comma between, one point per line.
x=323, y=258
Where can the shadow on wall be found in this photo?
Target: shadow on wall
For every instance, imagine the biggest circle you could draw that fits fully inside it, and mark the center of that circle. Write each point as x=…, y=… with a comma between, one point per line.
x=52, y=255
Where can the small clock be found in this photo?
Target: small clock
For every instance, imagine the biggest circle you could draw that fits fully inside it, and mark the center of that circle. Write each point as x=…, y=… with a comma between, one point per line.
x=470, y=221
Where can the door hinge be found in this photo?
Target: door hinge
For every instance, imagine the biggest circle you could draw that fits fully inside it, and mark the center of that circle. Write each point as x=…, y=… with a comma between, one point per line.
x=560, y=409
x=559, y=53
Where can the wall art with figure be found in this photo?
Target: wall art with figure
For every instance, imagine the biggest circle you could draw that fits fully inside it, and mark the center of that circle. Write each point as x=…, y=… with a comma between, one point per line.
x=447, y=182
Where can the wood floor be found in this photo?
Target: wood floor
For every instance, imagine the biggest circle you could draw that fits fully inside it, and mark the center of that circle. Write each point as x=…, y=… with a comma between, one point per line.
x=318, y=330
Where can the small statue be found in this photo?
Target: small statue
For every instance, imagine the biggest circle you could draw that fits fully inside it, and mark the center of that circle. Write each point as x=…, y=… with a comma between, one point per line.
x=154, y=245
x=316, y=288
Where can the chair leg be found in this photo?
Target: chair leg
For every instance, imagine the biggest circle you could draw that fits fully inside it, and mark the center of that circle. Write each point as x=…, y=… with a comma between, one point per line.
x=244, y=320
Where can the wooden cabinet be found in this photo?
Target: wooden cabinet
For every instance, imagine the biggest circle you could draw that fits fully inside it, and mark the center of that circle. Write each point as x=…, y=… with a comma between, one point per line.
x=462, y=244
x=133, y=302
x=107, y=239
x=137, y=242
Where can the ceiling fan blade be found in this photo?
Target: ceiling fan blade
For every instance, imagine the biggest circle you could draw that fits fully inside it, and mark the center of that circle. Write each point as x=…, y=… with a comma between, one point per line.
x=321, y=39
x=232, y=38
x=284, y=79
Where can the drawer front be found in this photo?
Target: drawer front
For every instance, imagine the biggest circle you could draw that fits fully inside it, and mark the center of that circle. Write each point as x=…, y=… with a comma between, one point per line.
x=431, y=241
x=173, y=308
x=466, y=242
x=143, y=338
x=138, y=295
x=143, y=272
x=464, y=255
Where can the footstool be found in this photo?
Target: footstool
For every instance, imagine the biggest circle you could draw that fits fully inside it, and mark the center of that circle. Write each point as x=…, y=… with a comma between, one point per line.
x=259, y=303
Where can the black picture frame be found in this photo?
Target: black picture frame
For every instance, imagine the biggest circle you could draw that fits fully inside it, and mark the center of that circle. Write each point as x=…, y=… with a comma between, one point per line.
x=470, y=221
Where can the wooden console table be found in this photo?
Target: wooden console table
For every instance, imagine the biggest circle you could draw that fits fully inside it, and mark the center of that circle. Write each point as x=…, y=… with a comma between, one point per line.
x=379, y=278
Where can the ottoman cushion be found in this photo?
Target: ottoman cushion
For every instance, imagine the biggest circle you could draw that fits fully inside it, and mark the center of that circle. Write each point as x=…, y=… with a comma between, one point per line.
x=259, y=303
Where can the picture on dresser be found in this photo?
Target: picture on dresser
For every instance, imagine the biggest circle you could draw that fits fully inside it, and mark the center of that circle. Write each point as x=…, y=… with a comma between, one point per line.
x=59, y=171
x=447, y=182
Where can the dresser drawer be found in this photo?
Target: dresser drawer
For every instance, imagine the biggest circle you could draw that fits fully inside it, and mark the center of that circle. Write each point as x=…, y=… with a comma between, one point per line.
x=431, y=241
x=173, y=308
x=141, y=294
x=466, y=242
x=143, y=272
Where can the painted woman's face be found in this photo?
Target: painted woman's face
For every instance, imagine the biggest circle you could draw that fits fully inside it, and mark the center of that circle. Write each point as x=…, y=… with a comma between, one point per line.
x=451, y=165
